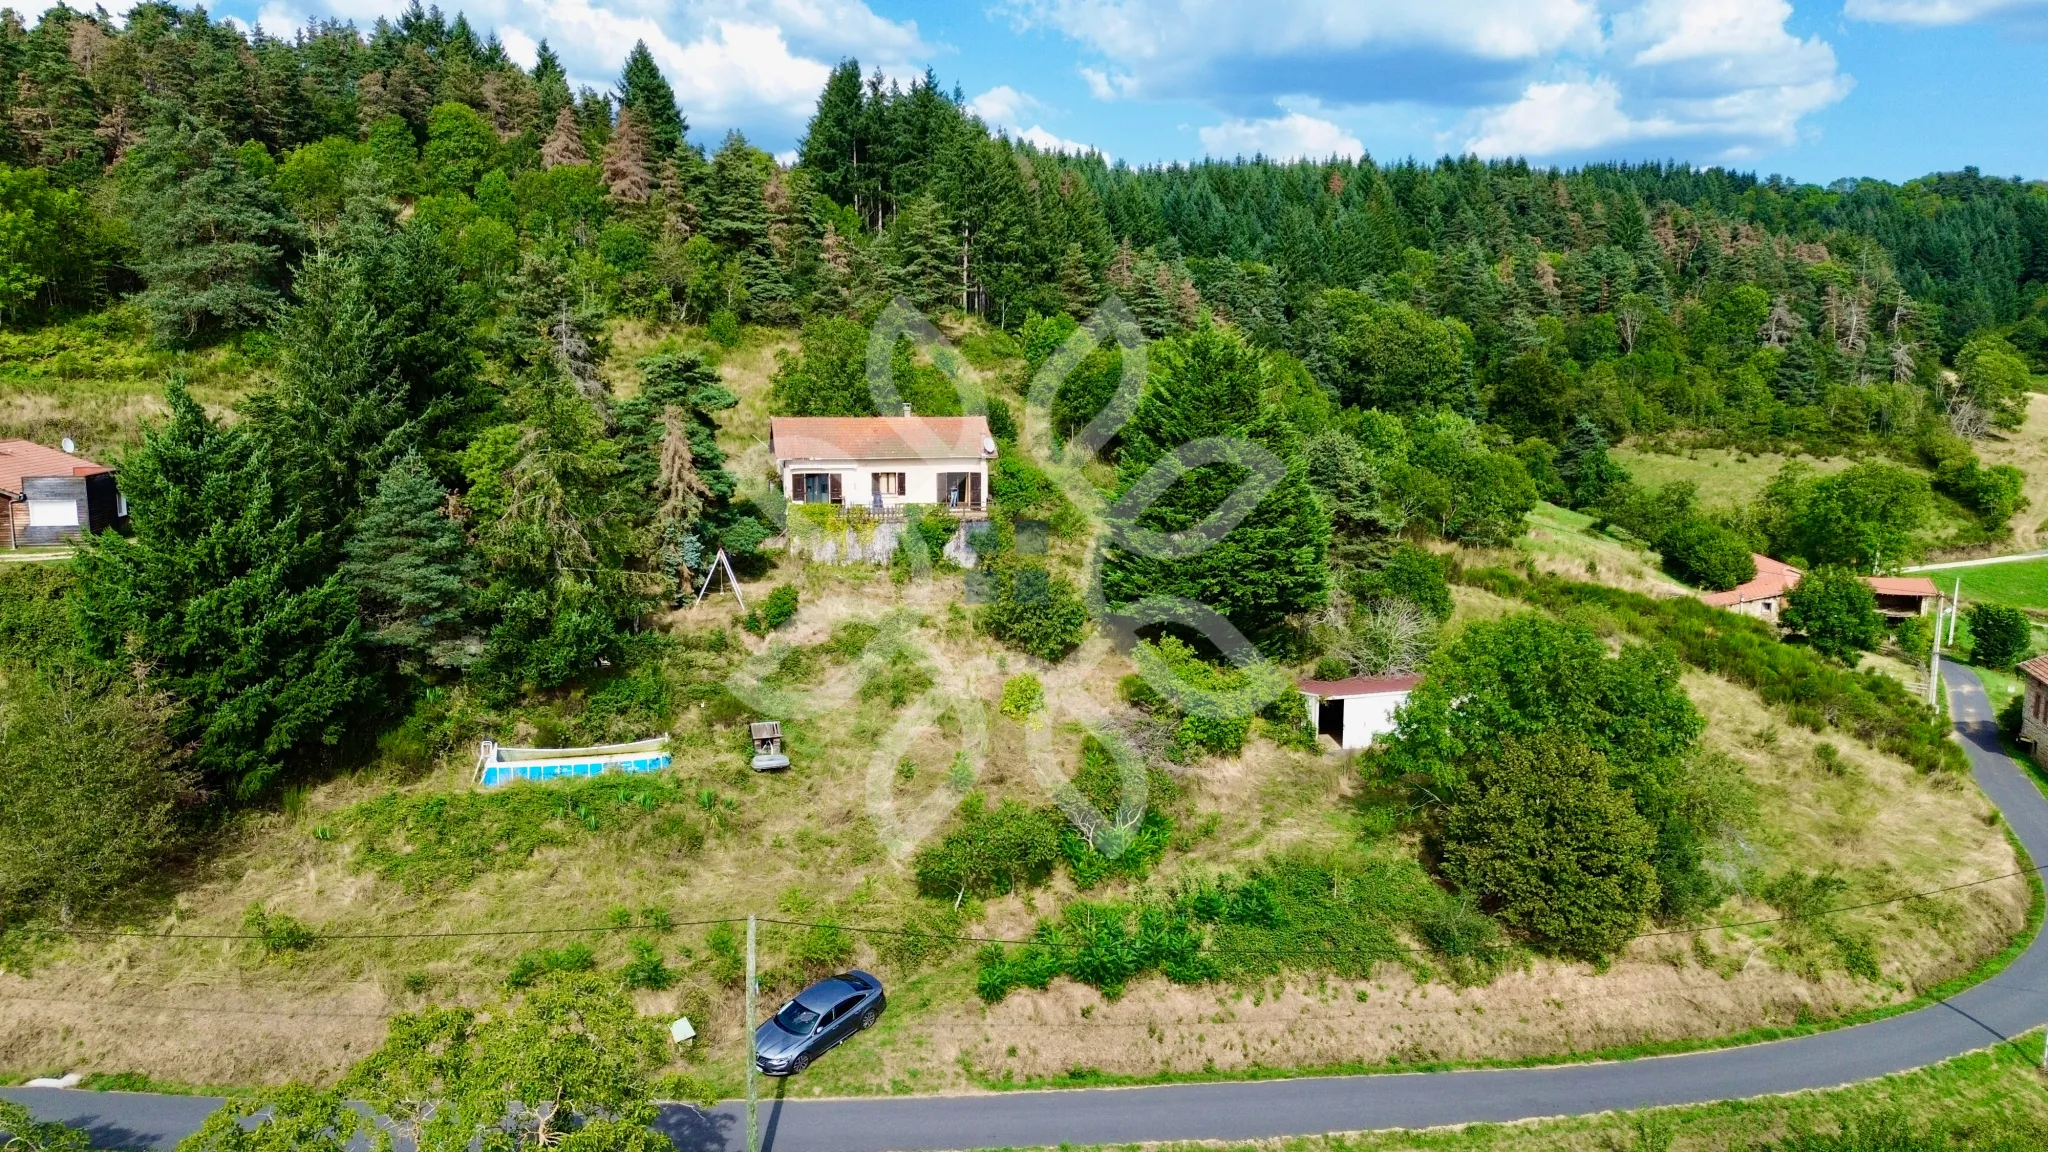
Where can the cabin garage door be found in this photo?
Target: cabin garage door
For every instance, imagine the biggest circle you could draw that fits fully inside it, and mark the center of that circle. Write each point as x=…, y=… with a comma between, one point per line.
x=53, y=513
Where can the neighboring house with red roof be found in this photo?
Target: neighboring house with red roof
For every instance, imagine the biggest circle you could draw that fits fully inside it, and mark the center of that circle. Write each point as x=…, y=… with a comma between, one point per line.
x=1354, y=711
x=884, y=462
x=2034, y=708
x=1764, y=596
x=50, y=496
x=1902, y=596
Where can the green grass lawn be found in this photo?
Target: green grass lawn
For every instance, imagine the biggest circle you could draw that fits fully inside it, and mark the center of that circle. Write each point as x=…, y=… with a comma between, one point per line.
x=1724, y=476
x=2021, y=584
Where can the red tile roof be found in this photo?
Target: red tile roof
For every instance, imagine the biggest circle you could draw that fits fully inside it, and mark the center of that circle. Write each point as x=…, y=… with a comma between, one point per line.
x=1902, y=586
x=880, y=437
x=2035, y=669
x=1773, y=578
x=21, y=458
x=1362, y=685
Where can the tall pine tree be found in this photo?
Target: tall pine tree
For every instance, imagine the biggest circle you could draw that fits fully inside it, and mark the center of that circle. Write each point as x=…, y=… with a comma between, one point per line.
x=645, y=91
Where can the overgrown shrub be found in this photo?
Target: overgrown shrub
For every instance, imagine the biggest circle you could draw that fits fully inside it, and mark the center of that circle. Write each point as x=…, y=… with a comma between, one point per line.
x=1410, y=572
x=92, y=786
x=1999, y=635
x=1293, y=913
x=990, y=852
x=535, y=963
x=1033, y=610
x=645, y=969
x=276, y=933
x=1836, y=612
x=1134, y=835
x=1022, y=695
x=1541, y=837
x=777, y=609
x=1707, y=554
x=1215, y=703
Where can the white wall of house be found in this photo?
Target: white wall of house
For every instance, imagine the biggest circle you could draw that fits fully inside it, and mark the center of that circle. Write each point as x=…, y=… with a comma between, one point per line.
x=1365, y=717
x=856, y=484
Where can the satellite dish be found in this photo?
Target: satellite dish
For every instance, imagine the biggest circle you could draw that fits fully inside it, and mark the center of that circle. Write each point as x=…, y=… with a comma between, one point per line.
x=69, y=447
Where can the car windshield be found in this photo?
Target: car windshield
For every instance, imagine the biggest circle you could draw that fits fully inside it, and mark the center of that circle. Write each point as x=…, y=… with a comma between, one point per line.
x=797, y=1019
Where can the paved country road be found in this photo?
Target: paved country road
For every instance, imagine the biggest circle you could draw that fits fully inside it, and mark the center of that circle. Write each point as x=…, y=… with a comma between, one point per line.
x=2007, y=1004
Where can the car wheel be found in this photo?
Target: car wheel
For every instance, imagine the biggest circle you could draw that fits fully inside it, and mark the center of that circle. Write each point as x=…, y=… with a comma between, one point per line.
x=800, y=1063
x=868, y=1018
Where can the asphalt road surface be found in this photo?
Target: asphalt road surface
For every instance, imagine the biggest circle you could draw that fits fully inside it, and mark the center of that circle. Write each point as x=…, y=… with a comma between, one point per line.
x=2010, y=1003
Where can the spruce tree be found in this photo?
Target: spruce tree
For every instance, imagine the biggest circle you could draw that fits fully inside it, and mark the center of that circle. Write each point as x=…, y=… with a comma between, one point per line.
x=645, y=91
x=626, y=177
x=1209, y=383
x=410, y=568
x=551, y=82
x=831, y=149
x=233, y=608
x=564, y=144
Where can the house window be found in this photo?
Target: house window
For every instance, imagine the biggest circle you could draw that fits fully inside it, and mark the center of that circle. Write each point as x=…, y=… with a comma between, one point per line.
x=814, y=488
x=53, y=513
x=889, y=483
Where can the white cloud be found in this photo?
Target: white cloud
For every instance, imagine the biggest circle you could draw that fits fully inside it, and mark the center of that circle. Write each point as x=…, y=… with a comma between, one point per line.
x=1006, y=108
x=1567, y=116
x=280, y=20
x=1930, y=12
x=787, y=158
x=1167, y=44
x=1002, y=105
x=1288, y=137
x=519, y=46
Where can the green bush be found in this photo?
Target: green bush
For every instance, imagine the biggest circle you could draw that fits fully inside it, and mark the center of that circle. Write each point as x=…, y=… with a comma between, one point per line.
x=723, y=329
x=990, y=852
x=1410, y=573
x=1706, y=554
x=1033, y=610
x=777, y=609
x=535, y=963
x=646, y=969
x=1022, y=695
x=1836, y=612
x=1999, y=635
x=93, y=786
x=1541, y=838
x=277, y=933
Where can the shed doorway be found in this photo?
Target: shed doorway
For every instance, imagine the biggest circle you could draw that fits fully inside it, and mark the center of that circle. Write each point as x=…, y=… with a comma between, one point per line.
x=1330, y=719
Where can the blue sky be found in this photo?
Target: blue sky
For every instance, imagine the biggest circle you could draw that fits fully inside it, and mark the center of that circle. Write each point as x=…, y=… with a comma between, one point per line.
x=1886, y=88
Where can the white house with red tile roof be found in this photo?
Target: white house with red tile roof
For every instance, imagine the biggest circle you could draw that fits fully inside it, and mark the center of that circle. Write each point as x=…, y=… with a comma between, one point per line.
x=49, y=496
x=1354, y=711
x=1764, y=596
x=884, y=462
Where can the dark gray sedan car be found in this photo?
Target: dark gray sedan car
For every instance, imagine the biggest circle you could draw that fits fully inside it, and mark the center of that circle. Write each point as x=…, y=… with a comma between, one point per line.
x=819, y=1018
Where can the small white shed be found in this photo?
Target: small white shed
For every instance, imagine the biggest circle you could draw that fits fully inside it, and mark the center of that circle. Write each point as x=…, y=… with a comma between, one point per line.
x=1352, y=712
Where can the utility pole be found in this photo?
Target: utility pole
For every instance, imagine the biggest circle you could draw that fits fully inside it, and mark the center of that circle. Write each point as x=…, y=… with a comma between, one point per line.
x=1955, y=605
x=1933, y=663
x=753, y=1054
